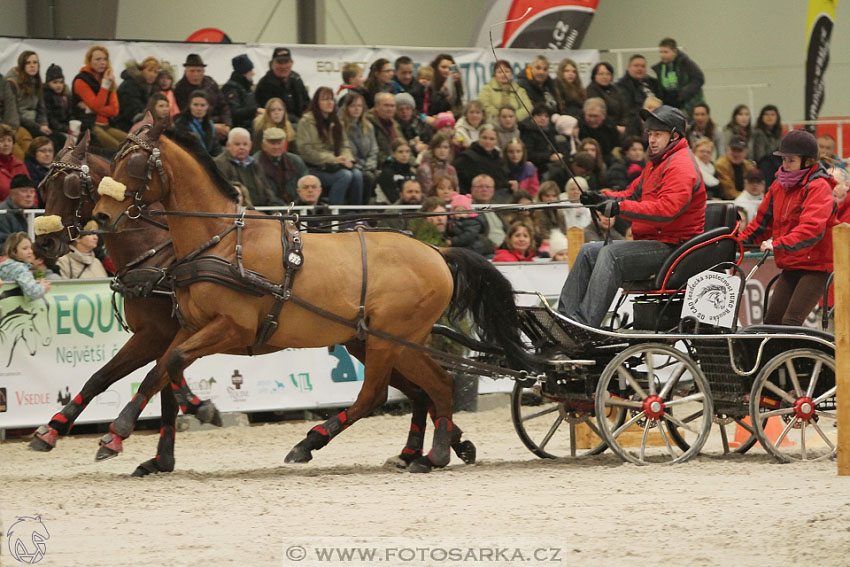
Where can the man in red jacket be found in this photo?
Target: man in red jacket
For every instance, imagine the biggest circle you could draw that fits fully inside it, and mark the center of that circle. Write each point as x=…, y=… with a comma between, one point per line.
x=666, y=206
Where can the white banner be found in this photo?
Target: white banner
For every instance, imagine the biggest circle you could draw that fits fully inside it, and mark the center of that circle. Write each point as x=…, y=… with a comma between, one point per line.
x=49, y=348
x=318, y=65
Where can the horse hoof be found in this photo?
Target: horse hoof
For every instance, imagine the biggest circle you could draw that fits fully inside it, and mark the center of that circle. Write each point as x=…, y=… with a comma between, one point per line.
x=110, y=446
x=44, y=439
x=151, y=466
x=466, y=451
x=208, y=413
x=298, y=455
x=421, y=465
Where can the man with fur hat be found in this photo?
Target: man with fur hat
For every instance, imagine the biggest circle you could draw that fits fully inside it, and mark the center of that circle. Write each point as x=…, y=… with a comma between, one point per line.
x=280, y=81
x=194, y=79
x=666, y=206
x=135, y=90
x=22, y=196
x=238, y=91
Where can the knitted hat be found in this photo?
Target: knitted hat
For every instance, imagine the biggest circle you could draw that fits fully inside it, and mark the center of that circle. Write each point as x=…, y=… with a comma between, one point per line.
x=53, y=72
x=404, y=99
x=444, y=119
x=564, y=124
x=19, y=181
x=242, y=64
x=459, y=200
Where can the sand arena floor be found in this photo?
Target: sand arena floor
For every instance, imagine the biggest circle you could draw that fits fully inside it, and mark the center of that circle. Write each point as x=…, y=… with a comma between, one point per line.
x=232, y=501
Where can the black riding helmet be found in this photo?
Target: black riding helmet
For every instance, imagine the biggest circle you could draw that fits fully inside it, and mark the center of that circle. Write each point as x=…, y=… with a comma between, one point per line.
x=664, y=118
x=798, y=143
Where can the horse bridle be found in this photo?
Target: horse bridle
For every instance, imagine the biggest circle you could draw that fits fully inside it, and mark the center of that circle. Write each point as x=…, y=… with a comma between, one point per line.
x=140, y=170
x=86, y=188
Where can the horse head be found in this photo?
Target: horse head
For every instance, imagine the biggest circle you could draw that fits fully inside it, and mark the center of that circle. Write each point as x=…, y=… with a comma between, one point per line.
x=68, y=194
x=138, y=177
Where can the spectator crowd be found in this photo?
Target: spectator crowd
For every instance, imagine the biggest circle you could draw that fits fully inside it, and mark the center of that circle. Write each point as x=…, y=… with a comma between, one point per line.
x=401, y=132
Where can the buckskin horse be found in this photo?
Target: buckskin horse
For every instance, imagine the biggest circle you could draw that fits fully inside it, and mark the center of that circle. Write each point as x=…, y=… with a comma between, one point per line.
x=68, y=192
x=378, y=293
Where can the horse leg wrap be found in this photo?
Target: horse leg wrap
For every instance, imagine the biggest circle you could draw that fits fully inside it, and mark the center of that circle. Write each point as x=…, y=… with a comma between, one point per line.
x=64, y=420
x=331, y=428
x=126, y=421
x=415, y=440
x=164, y=460
x=189, y=403
x=317, y=438
x=440, y=453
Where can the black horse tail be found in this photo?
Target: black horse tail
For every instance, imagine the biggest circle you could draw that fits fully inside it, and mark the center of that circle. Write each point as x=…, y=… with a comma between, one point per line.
x=482, y=290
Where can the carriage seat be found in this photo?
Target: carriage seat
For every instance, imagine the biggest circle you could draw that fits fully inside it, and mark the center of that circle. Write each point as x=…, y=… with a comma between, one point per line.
x=717, y=244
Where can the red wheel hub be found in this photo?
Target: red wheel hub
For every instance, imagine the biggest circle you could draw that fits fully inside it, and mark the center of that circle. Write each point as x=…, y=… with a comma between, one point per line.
x=653, y=407
x=804, y=408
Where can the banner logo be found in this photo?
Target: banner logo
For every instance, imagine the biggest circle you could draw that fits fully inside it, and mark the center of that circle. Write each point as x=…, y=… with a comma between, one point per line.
x=712, y=298
x=26, y=539
x=27, y=326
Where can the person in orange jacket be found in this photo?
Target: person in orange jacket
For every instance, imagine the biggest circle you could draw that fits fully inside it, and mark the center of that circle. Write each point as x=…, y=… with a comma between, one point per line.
x=795, y=221
x=94, y=99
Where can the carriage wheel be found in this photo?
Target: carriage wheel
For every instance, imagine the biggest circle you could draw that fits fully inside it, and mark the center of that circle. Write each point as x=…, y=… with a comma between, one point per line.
x=796, y=390
x=659, y=387
x=552, y=427
x=723, y=422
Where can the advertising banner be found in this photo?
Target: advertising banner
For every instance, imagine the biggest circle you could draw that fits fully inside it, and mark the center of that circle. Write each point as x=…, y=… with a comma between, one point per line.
x=318, y=65
x=819, y=23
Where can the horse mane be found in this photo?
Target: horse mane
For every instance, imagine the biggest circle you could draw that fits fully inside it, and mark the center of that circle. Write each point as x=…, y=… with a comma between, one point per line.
x=191, y=144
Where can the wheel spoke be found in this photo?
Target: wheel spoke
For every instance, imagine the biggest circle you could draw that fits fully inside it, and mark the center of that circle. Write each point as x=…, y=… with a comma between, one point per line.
x=692, y=398
x=623, y=403
x=792, y=373
x=803, y=440
x=668, y=387
x=825, y=396
x=769, y=414
x=626, y=425
x=746, y=425
x=724, y=438
x=623, y=373
x=540, y=413
x=827, y=415
x=572, y=439
x=650, y=372
x=592, y=426
x=679, y=423
x=666, y=440
x=643, y=441
x=551, y=432
x=693, y=416
x=785, y=431
x=823, y=436
x=779, y=392
x=814, y=379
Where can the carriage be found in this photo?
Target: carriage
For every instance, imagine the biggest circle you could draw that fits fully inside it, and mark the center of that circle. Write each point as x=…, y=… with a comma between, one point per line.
x=652, y=392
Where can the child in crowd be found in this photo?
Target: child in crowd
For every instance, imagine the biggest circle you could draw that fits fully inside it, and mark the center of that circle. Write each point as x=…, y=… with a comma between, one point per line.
x=519, y=244
x=466, y=129
x=466, y=229
x=522, y=175
x=506, y=126
x=424, y=76
x=444, y=188
x=352, y=81
x=20, y=256
x=795, y=221
x=394, y=172
x=436, y=162
x=753, y=194
x=57, y=100
x=164, y=84
x=580, y=216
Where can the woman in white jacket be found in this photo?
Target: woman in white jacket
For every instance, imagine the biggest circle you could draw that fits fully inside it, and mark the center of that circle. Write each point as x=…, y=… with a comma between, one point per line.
x=80, y=262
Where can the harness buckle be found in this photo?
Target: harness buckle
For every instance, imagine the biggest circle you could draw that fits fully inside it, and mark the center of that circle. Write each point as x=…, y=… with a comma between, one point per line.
x=134, y=211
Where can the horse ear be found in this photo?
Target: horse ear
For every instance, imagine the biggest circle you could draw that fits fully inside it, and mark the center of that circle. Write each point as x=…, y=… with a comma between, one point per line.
x=155, y=131
x=69, y=142
x=81, y=149
x=148, y=119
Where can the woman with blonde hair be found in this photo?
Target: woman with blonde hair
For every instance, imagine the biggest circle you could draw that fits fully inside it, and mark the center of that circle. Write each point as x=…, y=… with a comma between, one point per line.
x=568, y=89
x=273, y=116
x=94, y=99
x=361, y=138
x=136, y=88
x=466, y=129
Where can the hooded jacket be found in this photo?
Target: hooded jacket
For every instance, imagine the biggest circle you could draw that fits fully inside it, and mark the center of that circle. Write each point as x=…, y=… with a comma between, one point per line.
x=240, y=97
x=799, y=220
x=494, y=95
x=133, y=95
x=667, y=202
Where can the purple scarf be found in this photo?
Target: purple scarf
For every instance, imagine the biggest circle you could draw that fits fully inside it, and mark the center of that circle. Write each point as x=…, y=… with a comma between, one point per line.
x=789, y=179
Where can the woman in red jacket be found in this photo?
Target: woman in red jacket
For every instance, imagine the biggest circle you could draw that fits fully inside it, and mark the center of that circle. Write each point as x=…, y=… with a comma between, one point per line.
x=795, y=221
x=519, y=244
x=10, y=166
x=94, y=99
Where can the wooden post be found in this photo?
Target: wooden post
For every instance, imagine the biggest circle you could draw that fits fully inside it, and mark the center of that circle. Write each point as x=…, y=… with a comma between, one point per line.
x=841, y=279
x=575, y=240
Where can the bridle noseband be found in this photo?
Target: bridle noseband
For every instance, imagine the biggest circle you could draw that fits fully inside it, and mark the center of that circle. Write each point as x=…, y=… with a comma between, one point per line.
x=141, y=170
x=86, y=188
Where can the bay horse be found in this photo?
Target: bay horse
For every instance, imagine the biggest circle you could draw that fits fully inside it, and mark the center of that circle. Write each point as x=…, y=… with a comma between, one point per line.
x=68, y=191
x=330, y=301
